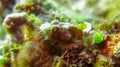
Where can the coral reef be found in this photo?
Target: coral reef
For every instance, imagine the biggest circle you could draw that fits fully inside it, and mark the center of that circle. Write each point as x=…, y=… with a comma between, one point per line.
x=110, y=44
x=77, y=55
x=51, y=33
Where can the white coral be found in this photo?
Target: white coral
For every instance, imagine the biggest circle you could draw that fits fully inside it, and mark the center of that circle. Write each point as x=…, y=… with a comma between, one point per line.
x=88, y=28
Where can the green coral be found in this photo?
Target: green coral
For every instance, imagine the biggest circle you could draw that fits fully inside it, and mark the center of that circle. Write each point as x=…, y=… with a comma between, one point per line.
x=97, y=37
x=31, y=17
x=35, y=20
x=15, y=47
x=81, y=26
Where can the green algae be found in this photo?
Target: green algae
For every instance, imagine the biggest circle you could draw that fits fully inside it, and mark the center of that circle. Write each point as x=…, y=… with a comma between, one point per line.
x=98, y=37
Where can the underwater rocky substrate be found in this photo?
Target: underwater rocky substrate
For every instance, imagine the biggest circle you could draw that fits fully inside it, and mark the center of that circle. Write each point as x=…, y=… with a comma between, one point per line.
x=36, y=35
